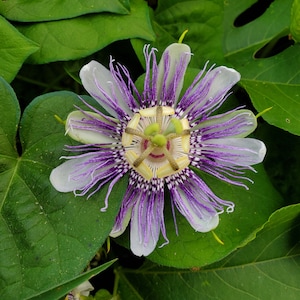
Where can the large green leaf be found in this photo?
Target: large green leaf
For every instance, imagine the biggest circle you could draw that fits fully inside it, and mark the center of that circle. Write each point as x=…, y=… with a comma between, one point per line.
x=14, y=49
x=79, y=37
x=46, y=237
x=8, y=106
x=273, y=81
x=44, y=10
x=267, y=268
x=203, y=19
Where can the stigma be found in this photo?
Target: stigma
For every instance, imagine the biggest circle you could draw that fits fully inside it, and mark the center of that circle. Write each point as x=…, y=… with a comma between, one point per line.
x=156, y=142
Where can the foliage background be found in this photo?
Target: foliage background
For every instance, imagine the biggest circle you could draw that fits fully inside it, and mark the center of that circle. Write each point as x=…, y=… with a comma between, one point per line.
x=48, y=239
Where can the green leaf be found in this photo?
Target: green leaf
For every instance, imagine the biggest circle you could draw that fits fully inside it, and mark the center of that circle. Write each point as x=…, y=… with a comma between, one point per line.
x=250, y=37
x=295, y=21
x=47, y=237
x=272, y=81
x=14, y=49
x=278, y=240
x=43, y=10
x=267, y=268
x=283, y=98
x=202, y=19
x=61, y=290
x=85, y=35
x=8, y=106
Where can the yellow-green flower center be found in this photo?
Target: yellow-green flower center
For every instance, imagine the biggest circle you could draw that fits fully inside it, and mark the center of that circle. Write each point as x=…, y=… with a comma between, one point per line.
x=156, y=143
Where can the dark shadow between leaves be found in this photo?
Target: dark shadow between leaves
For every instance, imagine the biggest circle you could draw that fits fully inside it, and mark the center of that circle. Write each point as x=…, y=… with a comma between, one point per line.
x=274, y=47
x=252, y=12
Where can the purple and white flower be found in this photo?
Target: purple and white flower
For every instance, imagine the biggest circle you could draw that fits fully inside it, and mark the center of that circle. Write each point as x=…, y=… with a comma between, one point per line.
x=156, y=136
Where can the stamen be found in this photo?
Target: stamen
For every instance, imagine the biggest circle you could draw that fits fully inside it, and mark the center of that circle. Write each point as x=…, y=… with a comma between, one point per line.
x=167, y=170
x=174, y=126
x=159, y=115
x=185, y=139
x=171, y=159
x=133, y=124
x=157, y=127
x=144, y=155
x=133, y=131
x=142, y=169
x=185, y=123
x=176, y=135
x=185, y=143
x=177, y=125
x=148, y=112
x=151, y=111
x=152, y=129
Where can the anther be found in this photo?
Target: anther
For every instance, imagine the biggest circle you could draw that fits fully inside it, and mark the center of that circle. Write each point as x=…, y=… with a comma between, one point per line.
x=152, y=129
x=159, y=115
x=175, y=135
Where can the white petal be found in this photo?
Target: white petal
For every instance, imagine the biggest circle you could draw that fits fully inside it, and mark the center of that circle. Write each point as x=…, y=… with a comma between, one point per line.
x=219, y=81
x=202, y=222
x=238, y=123
x=83, y=289
x=224, y=79
x=118, y=230
x=86, y=134
x=143, y=240
x=100, y=84
x=62, y=177
x=177, y=53
x=237, y=151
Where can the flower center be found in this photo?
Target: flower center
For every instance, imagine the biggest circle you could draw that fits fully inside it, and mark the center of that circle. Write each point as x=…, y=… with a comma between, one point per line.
x=156, y=143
